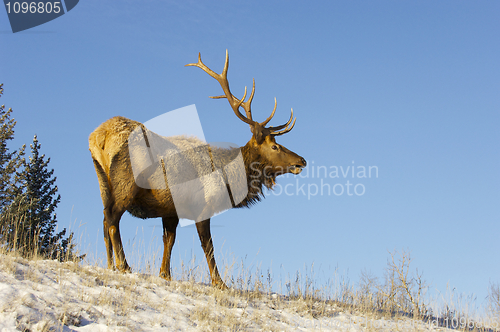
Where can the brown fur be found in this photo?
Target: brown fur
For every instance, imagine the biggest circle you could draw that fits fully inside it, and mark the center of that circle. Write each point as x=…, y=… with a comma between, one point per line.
x=148, y=194
x=108, y=145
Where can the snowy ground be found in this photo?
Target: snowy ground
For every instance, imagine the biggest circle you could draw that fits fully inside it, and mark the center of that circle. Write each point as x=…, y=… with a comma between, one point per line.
x=43, y=295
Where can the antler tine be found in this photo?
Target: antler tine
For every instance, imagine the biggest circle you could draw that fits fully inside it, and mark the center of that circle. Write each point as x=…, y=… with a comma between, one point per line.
x=284, y=131
x=284, y=125
x=248, y=104
x=207, y=70
x=226, y=66
x=270, y=116
x=222, y=79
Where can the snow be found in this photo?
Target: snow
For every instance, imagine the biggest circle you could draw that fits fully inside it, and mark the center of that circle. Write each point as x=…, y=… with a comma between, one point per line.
x=45, y=295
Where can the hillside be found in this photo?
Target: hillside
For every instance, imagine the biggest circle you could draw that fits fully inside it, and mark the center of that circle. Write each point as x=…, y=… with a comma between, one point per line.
x=43, y=295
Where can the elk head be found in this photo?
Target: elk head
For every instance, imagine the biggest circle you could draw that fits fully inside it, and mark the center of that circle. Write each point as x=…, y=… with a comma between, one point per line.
x=277, y=159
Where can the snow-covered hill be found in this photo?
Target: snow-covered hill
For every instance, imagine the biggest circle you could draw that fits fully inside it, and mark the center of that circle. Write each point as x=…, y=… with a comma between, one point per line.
x=43, y=295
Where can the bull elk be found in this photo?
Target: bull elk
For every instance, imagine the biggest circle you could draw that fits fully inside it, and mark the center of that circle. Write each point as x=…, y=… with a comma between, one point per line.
x=263, y=161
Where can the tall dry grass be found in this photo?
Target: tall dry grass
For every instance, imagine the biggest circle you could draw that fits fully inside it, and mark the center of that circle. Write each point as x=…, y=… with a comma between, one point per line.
x=400, y=294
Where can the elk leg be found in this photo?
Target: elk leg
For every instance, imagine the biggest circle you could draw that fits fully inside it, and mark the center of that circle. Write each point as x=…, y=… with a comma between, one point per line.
x=107, y=202
x=121, y=262
x=109, y=245
x=169, y=230
x=113, y=219
x=203, y=228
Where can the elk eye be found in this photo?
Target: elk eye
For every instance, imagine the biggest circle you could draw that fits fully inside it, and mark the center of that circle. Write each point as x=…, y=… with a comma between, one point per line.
x=275, y=147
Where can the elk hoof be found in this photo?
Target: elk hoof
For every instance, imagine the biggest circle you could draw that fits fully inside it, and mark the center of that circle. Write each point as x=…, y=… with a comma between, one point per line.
x=165, y=276
x=124, y=269
x=220, y=285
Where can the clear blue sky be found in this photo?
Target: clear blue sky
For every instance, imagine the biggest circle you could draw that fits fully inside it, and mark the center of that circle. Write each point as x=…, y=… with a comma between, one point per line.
x=409, y=87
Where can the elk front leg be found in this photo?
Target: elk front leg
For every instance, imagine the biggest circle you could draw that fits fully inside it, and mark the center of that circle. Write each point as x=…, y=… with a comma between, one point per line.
x=169, y=230
x=203, y=228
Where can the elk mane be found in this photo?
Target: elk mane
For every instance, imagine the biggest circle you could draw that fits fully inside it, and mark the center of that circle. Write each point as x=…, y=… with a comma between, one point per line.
x=257, y=176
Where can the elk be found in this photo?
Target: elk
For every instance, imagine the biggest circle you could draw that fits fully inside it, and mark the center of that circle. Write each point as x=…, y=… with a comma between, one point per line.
x=109, y=144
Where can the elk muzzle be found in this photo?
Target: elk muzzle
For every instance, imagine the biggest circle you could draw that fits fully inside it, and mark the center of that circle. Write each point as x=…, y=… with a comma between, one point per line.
x=298, y=166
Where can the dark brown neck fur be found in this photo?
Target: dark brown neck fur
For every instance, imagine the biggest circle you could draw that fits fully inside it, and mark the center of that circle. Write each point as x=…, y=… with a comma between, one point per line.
x=256, y=178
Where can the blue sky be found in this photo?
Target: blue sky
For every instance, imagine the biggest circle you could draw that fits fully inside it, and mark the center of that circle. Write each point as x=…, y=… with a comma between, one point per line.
x=411, y=88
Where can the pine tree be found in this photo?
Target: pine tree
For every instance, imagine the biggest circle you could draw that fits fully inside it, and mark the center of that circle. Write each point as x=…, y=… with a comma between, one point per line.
x=28, y=200
x=9, y=161
x=37, y=200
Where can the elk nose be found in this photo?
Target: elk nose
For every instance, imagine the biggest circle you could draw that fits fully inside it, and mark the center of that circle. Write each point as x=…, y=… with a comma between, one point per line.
x=303, y=161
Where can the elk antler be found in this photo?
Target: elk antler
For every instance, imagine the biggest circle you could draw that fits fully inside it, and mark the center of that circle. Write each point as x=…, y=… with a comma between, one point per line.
x=236, y=103
x=276, y=131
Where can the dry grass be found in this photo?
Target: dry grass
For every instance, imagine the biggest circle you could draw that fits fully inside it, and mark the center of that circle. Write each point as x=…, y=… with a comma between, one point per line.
x=494, y=300
x=121, y=295
x=250, y=304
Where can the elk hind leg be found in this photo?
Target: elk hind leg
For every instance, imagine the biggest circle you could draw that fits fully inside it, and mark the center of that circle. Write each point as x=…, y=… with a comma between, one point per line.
x=203, y=228
x=109, y=245
x=106, y=197
x=113, y=234
x=169, y=231
x=119, y=201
